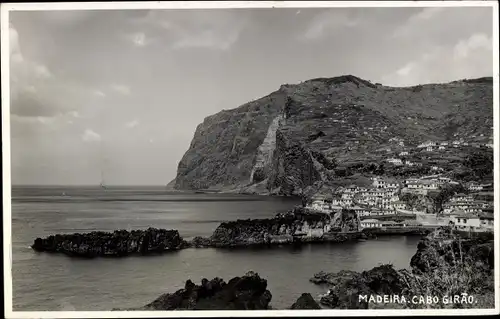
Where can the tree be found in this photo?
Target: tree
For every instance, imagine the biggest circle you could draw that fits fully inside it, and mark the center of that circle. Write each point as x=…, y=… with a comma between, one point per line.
x=447, y=192
x=480, y=162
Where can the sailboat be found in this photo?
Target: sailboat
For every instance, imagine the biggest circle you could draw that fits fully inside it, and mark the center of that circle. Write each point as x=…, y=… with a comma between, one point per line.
x=102, y=185
x=103, y=165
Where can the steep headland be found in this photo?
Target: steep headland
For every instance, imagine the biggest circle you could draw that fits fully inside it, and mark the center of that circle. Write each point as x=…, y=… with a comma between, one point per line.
x=325, y=129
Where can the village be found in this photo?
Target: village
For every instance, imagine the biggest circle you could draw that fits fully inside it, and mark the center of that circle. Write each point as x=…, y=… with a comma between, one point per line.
x=386, y=203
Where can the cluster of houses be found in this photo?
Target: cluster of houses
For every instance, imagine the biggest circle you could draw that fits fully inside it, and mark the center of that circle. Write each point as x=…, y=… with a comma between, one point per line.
x=431, y=146
x=478, y=187
x=375, y=223
x=466, y=204
x=382, y=200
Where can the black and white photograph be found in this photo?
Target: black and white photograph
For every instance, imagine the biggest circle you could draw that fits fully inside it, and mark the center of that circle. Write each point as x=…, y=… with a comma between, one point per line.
x=248, y=158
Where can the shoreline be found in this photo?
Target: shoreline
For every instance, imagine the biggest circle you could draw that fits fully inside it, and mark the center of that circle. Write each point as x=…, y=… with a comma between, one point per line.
x=188, y=244
x=472, y=259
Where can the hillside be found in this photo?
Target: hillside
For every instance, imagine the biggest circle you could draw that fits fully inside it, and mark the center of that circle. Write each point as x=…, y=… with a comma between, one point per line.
x=321, y=129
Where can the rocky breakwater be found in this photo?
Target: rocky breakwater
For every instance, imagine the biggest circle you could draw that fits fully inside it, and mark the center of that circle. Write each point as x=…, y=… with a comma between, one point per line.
x=240, y=293
x=457, y=273
x=117, y=243
x=297, y=226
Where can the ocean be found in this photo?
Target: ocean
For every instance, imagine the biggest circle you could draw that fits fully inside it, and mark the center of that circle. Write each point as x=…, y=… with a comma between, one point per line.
x=43, y=281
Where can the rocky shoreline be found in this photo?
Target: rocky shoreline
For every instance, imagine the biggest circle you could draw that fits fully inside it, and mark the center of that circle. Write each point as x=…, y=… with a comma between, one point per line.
x=446, y=265
x=297, y=226
x=248, y=292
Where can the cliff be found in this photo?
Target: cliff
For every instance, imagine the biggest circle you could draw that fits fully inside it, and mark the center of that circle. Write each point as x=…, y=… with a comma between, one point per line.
x=326, y=128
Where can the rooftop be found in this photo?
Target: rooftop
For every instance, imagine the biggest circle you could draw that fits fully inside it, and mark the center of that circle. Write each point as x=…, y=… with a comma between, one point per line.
x=371, y=220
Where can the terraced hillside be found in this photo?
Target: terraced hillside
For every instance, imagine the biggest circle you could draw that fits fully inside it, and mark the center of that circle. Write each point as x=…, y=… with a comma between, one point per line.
x=328, y=124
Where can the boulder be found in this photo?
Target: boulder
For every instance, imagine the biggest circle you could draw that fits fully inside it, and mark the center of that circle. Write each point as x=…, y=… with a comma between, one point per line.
x=240, y=293
x=306, y=301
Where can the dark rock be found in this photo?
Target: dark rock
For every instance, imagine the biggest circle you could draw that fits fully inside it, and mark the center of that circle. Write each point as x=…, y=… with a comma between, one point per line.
x=445, y=248
x=200, y=242
x=347, y=286
x=306, y=301
x=445, y=264
x=297, y=226
x=240, y=293
x=117, y=243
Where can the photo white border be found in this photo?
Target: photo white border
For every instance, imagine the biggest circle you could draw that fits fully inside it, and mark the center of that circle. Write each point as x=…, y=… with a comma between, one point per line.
x=5, y=96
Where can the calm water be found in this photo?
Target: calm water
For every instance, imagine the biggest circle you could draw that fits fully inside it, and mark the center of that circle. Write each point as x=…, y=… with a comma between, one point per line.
x=54, y=282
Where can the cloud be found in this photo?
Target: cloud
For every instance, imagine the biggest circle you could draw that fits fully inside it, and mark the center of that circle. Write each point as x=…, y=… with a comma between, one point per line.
x=429, y=24
x=213, y=29
x=329, y=21
x=478, y=41
x=33, y=119
x=74, y=114
x=90, y=136
x=99, y=93
x=207, y=39
x=35, y=90
x=120, y=88
x=132, y=124
x=42, y=71
x=139, y=39
x=14, y=47
x=471, y=57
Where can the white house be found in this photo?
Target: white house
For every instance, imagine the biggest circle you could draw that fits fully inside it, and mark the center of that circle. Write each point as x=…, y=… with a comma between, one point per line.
x=395, y=161
x=444, y=179
x=444, y=143
x=462, y=198
x=442, y=147
x=472, y=223
x=351, y=189
x=319, y=205
x=378, y=183
x=426, y=144
x=403, y=153
x=399, y=205
x=370, y=223
x=429, y=148
x=408, y=163
x=430, y=185
x=475, y=187
x=347, y=196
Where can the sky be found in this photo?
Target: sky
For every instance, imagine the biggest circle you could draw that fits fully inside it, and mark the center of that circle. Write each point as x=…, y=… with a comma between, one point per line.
x=120, y=92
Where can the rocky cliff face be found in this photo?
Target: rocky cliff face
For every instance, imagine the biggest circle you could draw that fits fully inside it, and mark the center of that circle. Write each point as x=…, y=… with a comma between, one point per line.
x=225, y=146
x=315, y=129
